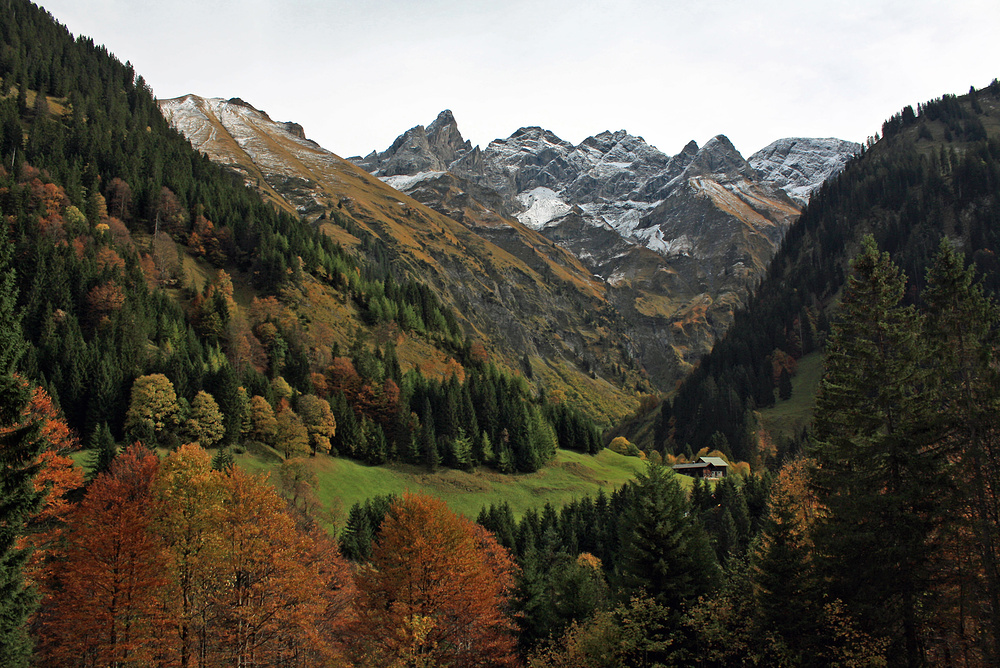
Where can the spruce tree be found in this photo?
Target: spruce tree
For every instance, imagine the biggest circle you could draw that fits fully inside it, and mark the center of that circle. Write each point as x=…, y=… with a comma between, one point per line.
x=20, y=447
x=962, y=333
x=666, y=552
x=103, y=450
x=879, y=472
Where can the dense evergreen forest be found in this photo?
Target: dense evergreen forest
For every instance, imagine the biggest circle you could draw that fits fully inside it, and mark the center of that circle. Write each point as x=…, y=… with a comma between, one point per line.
x=870, y=541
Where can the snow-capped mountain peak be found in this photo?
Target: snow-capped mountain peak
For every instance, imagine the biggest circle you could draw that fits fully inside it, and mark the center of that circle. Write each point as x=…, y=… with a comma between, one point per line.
x=799, y=165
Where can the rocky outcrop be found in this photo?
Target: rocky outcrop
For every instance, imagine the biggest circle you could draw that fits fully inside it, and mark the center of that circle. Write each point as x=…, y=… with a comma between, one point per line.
x=419, y=149
x=294, y=129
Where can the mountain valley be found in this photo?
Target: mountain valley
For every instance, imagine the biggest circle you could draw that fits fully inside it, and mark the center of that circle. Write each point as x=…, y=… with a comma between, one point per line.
x=659, y=249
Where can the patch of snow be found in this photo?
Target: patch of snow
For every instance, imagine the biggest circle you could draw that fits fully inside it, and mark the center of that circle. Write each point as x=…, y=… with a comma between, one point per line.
x=542, y=206
x=404, y=183
x=622, y=216
x=653, y=239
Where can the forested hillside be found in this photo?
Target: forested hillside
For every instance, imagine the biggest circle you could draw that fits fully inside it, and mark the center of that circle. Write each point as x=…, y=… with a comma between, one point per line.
x=138, y=259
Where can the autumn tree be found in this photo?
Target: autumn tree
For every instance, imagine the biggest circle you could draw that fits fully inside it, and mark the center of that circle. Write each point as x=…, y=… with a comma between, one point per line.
x=263, y=425
x=119, y=199
x=784, y=578
x=291, y=435
x=438, y=589
x=171, y=216
x=319, y=422
x=57, y=476
x=204, y=423
x=103, y=300
x=153, y=408
x=277, y=597
x=106, y=608
x=189, y=495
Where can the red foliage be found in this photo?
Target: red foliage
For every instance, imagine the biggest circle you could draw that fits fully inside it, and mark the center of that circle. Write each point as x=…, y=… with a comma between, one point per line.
x=106, y=606
x=262, y=310
x=343, y=377
x=379, y=402
x=120, y=233
x=319, y=384
x=57, y=473
x=478, y=354
x=120, y=199
x=103, y=299
x=171, y=216
x=282, y=591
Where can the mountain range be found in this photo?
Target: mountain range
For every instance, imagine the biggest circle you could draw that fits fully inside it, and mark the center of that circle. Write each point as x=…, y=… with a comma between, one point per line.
x=617, y=258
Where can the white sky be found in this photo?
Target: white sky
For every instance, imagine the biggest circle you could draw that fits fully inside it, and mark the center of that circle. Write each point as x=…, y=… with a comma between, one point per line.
x=358, y=73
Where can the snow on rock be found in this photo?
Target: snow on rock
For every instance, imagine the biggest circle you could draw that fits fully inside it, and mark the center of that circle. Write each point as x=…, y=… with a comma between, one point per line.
x=653, y=239
x=209, y=123
x=617, y=181
x=404, y=182
x=542, y=205
x=799, y=166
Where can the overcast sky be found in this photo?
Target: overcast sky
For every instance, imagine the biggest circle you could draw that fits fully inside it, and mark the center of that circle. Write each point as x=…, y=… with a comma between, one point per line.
x=357, y=74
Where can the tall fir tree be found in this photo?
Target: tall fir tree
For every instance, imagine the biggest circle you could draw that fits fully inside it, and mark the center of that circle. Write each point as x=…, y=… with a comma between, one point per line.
x=666, y=551
x=878, y=467
x=962, y=332
x=20, y=447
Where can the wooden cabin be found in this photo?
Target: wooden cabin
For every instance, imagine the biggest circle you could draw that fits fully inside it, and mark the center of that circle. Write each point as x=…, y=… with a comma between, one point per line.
x=707, y=468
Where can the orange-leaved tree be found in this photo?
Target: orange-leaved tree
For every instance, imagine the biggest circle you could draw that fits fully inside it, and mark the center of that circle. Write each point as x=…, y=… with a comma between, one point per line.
x=106, y=606
x=275, y=596
x=438, y=590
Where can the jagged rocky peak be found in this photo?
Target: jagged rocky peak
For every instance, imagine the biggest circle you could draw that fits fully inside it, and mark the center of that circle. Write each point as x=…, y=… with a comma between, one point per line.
x=445, y=141
x=623, y=148
x=800, y=165
x=419, y=149
x=719, y=157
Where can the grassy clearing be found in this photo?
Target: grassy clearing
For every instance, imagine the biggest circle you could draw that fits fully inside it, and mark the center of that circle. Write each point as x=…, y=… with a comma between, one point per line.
x=786, y=418
x=343, y=482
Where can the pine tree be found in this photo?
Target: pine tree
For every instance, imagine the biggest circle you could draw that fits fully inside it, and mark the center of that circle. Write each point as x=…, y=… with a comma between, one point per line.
x=103, y=450
x=20, y=448
x=962, y=333
x=667, y=552
x=879, y=471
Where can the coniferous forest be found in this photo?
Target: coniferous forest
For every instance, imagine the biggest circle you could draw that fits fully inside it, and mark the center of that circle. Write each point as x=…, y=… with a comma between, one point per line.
x=870, y=539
